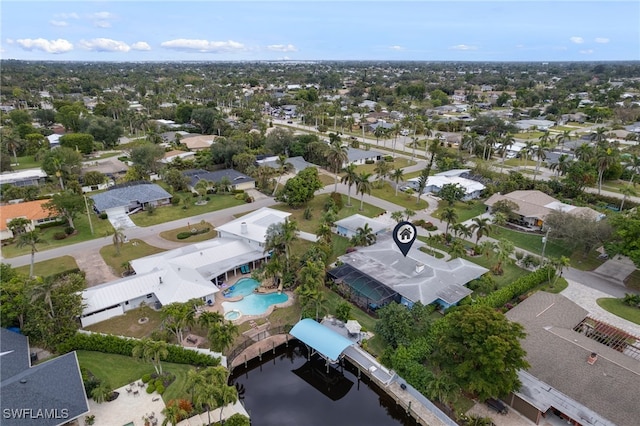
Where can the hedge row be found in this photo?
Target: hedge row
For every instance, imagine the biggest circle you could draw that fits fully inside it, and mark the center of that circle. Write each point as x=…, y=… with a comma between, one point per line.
x=500, y=297
x=121, y=346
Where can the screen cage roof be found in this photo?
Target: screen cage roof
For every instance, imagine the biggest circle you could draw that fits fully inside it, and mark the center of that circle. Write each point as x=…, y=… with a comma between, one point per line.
x=362, y=284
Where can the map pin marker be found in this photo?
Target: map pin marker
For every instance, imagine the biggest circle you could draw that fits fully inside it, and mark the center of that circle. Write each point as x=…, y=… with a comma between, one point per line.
x=404, y=234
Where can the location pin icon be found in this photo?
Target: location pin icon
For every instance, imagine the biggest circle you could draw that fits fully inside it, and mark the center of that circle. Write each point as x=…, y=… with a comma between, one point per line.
x=404, y=234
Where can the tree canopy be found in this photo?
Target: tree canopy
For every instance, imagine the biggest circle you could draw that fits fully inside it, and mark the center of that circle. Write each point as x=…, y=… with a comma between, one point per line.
x=300, y=189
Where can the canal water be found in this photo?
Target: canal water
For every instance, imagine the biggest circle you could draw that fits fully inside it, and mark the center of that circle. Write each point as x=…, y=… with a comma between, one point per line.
x=286, y=388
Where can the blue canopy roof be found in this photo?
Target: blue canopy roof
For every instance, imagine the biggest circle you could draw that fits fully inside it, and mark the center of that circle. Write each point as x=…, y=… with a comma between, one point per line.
x=324, y=340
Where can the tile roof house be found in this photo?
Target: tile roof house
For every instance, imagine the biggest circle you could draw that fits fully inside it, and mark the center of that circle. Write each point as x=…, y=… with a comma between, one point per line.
x=130, y=196
x=418, y=277
x=238, y=181
x=534, y=206
x=30, y=210
x=48, y=394
x=581, y=378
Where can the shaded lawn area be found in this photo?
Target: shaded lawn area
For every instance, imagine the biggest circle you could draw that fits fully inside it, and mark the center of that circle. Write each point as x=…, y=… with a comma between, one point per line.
x=168, y=213
x=26, y=162
x=120, y=370
x=172, y=235
x=101, y=228
x=338, y=246
x=127, y=324
x=619, y=308
x=517, y=162
x=50, y=267
x=585, y=263
x=398, y=163
x=388, y=193
x=464, y=210
x=128, y=252
x=316, y=205
x=328, y=180
x=531, y=242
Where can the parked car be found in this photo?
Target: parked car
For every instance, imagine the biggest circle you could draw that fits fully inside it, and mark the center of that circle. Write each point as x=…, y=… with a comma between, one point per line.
x=497, y=405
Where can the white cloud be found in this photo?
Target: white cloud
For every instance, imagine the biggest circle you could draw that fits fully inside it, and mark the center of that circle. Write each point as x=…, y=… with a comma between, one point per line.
x=50, y=46
x=58, y=23
x=602, y=40
x=102, y=24
x=203, y=45
x=141, y=45
x=576, y=40
x=587, y=52
x=463, y=47
x=104, y=45
x=282, y=47
x=396, y=47
x=67, y=15
x=102, y=15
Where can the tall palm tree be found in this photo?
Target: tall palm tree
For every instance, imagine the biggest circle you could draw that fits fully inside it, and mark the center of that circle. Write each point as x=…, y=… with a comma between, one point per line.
x=504, y=249
x=151, y=351
x=462, y=230
x=527, y=150
x=562, y=138
x=118, y=239
x=30, y=239
x=450, y=216
x=633, y=164
x=627, y=191
x=605, y=158
x=398, y=216
x=397, y=175
x=408, y=213
x=364, y=236
x=584, y=152
x=337, y=155
x=225, y=395
x=457, y=249
x=349, y=178
x=363, y=186
x=541, y=151
x=382, y=170
x=221, y=336
x=201, y=187
x=283, y=168
x=505, y=143
x=481, y=226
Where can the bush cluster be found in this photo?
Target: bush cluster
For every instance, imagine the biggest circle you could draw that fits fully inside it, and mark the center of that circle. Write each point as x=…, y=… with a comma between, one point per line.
x=103, y=216
x=424, y=224
x=194, y=231
x=59, y=236
x=337, y=199
x=388, y=158
x=522, y=285
x=369, y=162
x=122, y=346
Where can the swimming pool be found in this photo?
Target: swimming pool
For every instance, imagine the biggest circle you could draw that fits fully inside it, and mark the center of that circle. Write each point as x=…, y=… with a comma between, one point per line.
x=255, y=304
x=243, y=287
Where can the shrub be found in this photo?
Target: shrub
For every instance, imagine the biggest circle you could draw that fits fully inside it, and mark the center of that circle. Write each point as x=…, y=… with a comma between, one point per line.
x=369, y=162
x=175, y=200
x=388, y=158
x=522, y=285
x=69, y=230
x=59, y=236
x=151, y=388
x=307, y=213
x=158, y=382
x=248, y=198
x=337, y=199
x=183, y=235
x=239, y=196
x=160, y=389
x=103, y=216
x=146, y=378
x=237, y=191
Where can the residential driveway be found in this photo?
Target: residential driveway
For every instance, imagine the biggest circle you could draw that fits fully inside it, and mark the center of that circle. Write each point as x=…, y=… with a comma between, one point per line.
x=94, y=267
x=617, y=268
x=121, y=220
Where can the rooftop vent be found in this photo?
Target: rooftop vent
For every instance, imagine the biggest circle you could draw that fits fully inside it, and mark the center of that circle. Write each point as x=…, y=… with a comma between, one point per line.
x=592, y=358
x=160, y=280
x=419, y=267
x=243, y=227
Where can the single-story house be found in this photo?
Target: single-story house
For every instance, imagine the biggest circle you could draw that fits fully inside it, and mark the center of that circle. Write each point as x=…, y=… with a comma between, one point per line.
x=28, y=177
x=48, y=394
x=298, y=163
x=127, y=197
x=113, y=167
x=537, y=124
x=237, y=180
x=472, y=189
x=534, y=206
x=252, y=228
x=360, y=156
x=54, y=140
x=34, y=211
x=380, y=123
x=197, y=142
x=380, y=273
x=172, y=155
x=348, y=227
x=573, y=376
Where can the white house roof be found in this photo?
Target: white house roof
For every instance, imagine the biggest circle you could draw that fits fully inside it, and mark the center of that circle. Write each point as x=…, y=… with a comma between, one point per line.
x=353, y=222
x=438, y=279
x=438, y=181
x=256, y=223
x=21, y=175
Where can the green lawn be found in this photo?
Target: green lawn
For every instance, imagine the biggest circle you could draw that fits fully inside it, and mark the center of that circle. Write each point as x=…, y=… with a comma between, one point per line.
x=633, y=280
x=529, y=135
x=26, y=162
x=398, y=163
x=619, y=308
x=101, y=228
x=518, y=162
x=119, y=370
x=127, y=324
x=50, y=267
x=585, y=263
x=464, y=210
x=128, y=252
x=172, y=235
x=388, y=193
x=316, y=205
x=530, y=242
x=168, y=213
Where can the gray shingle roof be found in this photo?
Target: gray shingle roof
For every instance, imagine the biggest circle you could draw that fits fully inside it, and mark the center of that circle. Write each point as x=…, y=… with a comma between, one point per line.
x=355, y=154
x=124, y=196
x=51, y=393
x=234, y=176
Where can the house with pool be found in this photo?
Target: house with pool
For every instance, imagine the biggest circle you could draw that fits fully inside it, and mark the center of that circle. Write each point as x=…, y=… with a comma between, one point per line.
x=379, y=274
x=196, y=271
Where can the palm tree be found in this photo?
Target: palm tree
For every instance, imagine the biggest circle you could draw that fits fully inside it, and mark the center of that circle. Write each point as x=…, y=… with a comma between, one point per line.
x=462, y=231
x=336, y=157
x=541, y=151
x=481, y=226
x=349, y=179
x=283, y=168
x=450, y=216
x=202, y=187
x=457, y=249
x=364, y=236
x=627, y=191
x=584, y=152
x=225, y=395
x=561, y=166
x=209, y=319
x=118, y=239
x=378, y=133
x=151, y=351
x=504, y=250
x=408, y=213
x=559, y=264
x=31, y=239
x=363, y=186
x=397, y=175
x=382, y=169
x=605, y=158
x=527, y=150
x=505, y=143
x=44, y=289
x=562, y=138
x=633, y=164
x=221, y=336
x=173, y=414
x=499, y=219
x=102, y=392
x=398, y=216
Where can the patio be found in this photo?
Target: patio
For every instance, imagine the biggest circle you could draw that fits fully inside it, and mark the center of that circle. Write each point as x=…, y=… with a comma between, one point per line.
x=130, y=408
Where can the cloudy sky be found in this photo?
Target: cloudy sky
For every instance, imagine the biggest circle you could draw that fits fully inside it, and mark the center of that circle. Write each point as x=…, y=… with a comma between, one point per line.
x=422, y=30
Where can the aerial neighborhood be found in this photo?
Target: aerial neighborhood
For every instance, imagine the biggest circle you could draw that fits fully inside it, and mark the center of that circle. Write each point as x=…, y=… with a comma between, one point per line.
x=168, y=228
